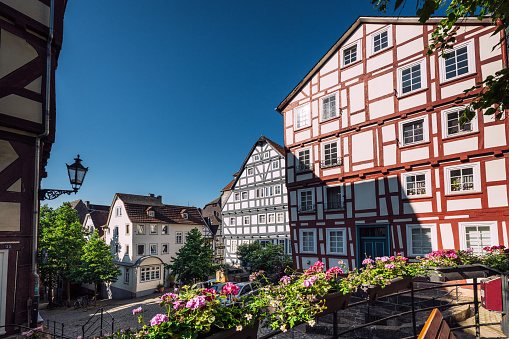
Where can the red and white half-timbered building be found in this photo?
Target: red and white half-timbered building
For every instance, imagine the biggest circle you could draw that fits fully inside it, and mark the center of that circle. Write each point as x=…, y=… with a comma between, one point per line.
x=376, y=160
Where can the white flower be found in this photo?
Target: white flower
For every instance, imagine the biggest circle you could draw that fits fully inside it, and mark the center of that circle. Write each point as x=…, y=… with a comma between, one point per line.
x=239, y=327
x=249, y=317
x=273, y=303
x=283, y=328
x=312, y=323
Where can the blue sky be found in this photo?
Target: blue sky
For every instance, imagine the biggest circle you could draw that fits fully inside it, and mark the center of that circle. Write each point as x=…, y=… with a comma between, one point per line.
x=167, y=97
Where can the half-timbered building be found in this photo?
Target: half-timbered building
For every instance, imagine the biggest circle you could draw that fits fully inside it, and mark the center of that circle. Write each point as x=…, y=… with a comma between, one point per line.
x=31, y=33
x=255, y=208
x=377, y=162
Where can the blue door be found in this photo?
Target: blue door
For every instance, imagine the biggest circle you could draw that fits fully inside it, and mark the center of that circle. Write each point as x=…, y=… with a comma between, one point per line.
x=373, y=242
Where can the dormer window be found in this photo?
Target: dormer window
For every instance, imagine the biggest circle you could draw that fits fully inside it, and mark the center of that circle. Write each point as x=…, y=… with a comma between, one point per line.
x=151, y=213
x=185, y=215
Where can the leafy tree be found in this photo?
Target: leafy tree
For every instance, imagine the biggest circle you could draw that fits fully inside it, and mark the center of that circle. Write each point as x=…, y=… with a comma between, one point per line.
x=195, y=260
x=97, y=263
x=272, y=259
x=64, y=237
x=492, y=94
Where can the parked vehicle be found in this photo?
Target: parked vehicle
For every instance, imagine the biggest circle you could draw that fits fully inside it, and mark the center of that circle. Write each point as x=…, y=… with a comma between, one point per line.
x=246, y=292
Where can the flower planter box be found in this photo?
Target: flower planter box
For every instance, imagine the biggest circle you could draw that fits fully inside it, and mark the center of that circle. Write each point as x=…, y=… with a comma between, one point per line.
x=461, y=272
x=232, y=333
x=334, y=301
x=373, y=292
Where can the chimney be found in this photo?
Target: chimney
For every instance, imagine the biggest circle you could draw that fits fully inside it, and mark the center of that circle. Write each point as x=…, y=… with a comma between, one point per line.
x=160, y=198
x=151, y=195
x=87, y=203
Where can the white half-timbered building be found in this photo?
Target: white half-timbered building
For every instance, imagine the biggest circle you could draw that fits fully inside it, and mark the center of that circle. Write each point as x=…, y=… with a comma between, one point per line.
x=376, y=160
x=256, y=208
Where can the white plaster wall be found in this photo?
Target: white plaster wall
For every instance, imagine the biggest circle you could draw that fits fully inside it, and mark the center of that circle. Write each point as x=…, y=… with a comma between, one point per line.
x=457, y=88
x=447, y=236
x=357, y=118
x=357, y=97
x=379, y=61
x=364, y=192
x=491, y=68
x=352, y=72
x=410, y=48
x=330, y=127
x=378, y=86
x=495, y=170
x=362, y=146
x=464, y=204
x=381, y=108
x=486, y=43
x=417, y=207
x=407, y=32
x=460, y=146
x=388, y=133
x=330, y=65
x=329, y=80
x=494, y=136
x=497, y=196
x=415, y=154
x=302, y=135
x=412, y=101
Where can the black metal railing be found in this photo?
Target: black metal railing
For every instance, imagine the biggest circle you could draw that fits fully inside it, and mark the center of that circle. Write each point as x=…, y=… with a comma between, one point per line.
x=98, y=324
x=307, y=208
x=331, y=163
x=57, y=332
x=335, y=205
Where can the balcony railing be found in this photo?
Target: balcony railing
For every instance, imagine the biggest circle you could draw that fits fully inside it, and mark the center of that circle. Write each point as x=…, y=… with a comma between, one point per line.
x=301, y=167
x=307, y=208
x=334, y=206
x=331, y=163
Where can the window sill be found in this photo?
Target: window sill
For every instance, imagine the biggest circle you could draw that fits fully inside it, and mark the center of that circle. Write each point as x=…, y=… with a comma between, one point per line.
x=416, y=197
x=409, y=94
x=306, y=212
x=337, y=253
x=461, y=77
x=296, y=129
x=453, y=194
x=377, y=53
x=355, y=63
x=459, y=135
x=335, y=210
x=322, y=121
x=416, y=144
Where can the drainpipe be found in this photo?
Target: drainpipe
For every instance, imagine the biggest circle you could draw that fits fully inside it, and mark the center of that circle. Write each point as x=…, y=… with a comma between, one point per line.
x=35, y=304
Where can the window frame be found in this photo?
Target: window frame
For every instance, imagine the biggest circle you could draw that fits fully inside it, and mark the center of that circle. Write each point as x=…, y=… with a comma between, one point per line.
x=250, y=171
x=470, y=60
x=118, y=211
x=236, y=196
x=337, y=108
x=372, y=36
x=338, y=157
x=234, y=219
x=246, y=193
x=127, y=229
x=282, y=215
x=155, y=252
x=494, y=240
x=445, y=128
x=325, y=200
x=295, y=114
x=275, y=164
x=156, y=229
x=271, y=216
x=313, y=207
x=138, y=249
x=425, y=130
x=299, y=168
x=167, y=229
x=127, y=249
x=427, y=179
x=357, y=45
x=233, y=246
x=277, y=189
x=148, y=270
x=179, y=235
x=476, y=178
x=434, y=238
x=328, y=246
x=248, y=218
x=301, y=241
x=141, y=226
x=152, y=213
x=256, y=157
x=424, y=78
x=126, y=275
x=260, y=219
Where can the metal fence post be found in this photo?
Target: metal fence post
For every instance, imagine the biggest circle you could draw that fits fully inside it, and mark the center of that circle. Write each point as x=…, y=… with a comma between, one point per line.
x=476, y=311
x=62, y=330
x=101, y=332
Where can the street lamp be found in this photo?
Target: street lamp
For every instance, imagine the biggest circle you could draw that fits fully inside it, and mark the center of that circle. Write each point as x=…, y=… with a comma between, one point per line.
x=76, y=173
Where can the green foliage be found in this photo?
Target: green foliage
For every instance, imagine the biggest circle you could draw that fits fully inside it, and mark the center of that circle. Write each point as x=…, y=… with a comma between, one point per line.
x=490, y=95
x=194, y=261
x=97, y=262
x=272, y=260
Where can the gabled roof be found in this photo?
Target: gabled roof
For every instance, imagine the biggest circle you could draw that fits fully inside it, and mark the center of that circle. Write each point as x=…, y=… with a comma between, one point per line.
x=229, y=186
x=168, y=214
x=361, y=20
x=148, y=200
x=81, y=209
x=99, y=217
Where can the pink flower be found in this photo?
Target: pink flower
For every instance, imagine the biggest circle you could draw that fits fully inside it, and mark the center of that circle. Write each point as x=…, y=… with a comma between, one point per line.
x=230, y=289
x=309, y=282
x=137, y=310
x=196, y=302
x=167, y=297
x=158, y=319
x=367, y=261
x=285, y=279
x=317, y=267
x=334, y=270
x=178, y=304
x=390, y=266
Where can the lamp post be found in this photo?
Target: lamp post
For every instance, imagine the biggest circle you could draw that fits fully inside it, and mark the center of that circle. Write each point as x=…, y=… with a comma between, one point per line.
x=76, y=173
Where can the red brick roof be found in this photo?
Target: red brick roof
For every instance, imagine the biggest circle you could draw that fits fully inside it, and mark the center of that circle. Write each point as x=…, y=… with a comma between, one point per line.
x=277, y=147
x=167, y=214
x=229, y=186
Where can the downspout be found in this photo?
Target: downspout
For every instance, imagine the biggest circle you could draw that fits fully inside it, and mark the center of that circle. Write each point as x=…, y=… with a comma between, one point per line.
x=35, y=304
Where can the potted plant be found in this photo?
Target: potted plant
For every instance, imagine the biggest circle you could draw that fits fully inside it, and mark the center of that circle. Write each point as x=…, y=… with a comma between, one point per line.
x=198, y=314
x=160, y=288
x=385, y=275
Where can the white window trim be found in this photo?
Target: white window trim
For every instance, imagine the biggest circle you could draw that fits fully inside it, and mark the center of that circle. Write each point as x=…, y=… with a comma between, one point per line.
x=235, y=195
x=312, y=190
x=156, y=232
x=250, y=170
x=311, y=159
x=246, y=217
x=338, y=112
x=470, y=58
x=150, y=246
x=359, y=53
x=425, y=132
x=295, y=116
x=275, y=188
x=338, y=144
x=138, y=229
x=234, y=223
x=427, y=174
x=434, y=239
x=325, y=187
x=242, y=195
x=275, y=164
x=118, y=211
x=282, y=217
x=127, y=275
x=127, y=229
x=473, y=123
x=477, y=178
x=181, y=234
x=259, y=220
x=493, y=232
x=424, y=78
x=301, y=245
x=342, y=229
x=371, y=48
x=273, y=215
x=167, y=230
x=147, y=271
x=267, y=154
x=256, y=157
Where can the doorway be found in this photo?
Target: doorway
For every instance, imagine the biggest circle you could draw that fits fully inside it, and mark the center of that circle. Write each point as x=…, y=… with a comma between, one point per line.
x=372, y=242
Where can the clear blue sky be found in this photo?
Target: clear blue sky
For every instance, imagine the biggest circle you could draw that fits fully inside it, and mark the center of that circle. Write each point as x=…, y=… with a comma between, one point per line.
x=167, y=97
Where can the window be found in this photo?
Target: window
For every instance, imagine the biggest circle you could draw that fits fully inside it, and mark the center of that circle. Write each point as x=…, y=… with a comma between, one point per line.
x=118, y=211
x=164, y=229
x=330, y=107
x=126, y=228
x=336, y=241
x=250, y=171
x=151, y=214
x=462, y=179
x=380, y=41
x=115, y=231
x=232, y=221
x=141, y=229
x=272, y=218
x=412, y=77
x=185, y=215
x=349, y=55
x=277, y=189
x=280, y=217
x=477, y=235
x=413, y=131
x=267, y=154
x=304, y=160
x=257, y=157
x=244, y=195
x=117, y=248
x=264, y=243
x=451, y=125
x=275, y=164
x=140, y=249
x=459, y=62
x=333, y=198
x=237, y=196
x=308, y=241
x=178, y=237
x=126, y=275
x=153, y=248
x=421, y=239
x=165, y=248
x=260, y=193
x=185, y=235
x=306, y=200
x=247, y=220
x=262, y=219
x=233, y=246
x=416, y=184
x=127, y=249
x=330, y=155
x=153, y=229
x=150, y=273
x=269, y=191
x=302, y=116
